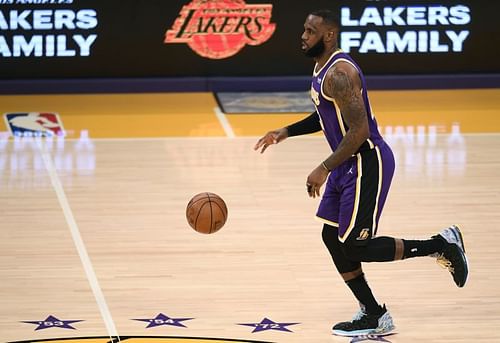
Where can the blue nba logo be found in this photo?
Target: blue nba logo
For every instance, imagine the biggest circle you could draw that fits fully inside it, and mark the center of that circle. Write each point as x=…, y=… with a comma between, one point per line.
x=34, y=124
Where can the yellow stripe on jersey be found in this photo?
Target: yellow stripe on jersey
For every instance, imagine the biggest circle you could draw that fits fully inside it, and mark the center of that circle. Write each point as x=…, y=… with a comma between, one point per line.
x=316, y=73
x=339, y=117
x=371, y=109
x=320, y=121
x=356, y=200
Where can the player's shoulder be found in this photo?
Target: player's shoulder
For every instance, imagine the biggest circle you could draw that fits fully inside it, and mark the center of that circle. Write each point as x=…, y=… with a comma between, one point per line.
x=342, y=68
x=341, y=77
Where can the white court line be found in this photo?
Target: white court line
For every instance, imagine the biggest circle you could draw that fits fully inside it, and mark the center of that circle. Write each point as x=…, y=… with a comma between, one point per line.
x=224, y=122
x=7, y=136
x=173, y=138
x=77, y=239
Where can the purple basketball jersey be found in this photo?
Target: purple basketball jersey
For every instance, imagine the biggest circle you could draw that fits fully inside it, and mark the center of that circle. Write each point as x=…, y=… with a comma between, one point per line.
x=334, y=126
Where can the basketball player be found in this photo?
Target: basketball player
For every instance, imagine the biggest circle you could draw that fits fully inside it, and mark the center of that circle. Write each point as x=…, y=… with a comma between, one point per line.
x=358, y=176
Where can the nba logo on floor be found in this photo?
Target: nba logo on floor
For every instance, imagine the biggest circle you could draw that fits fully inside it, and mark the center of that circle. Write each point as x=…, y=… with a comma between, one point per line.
x=34, y=124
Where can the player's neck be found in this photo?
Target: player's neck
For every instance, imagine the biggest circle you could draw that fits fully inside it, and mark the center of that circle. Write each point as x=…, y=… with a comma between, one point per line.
x=325, y=56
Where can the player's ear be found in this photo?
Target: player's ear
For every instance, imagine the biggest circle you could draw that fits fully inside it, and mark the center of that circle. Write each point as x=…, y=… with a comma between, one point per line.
x=330, y=35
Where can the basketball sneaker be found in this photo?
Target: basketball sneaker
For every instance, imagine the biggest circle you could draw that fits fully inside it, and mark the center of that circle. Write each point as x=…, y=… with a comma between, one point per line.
x=366, y=324
x=453, y=255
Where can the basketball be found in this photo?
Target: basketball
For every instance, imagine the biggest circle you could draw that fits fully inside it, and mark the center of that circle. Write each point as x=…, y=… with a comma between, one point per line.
x=206, y=212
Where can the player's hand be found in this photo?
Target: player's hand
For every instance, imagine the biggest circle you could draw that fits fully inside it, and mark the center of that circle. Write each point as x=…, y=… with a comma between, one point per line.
x=315, y=180
x=272, y=137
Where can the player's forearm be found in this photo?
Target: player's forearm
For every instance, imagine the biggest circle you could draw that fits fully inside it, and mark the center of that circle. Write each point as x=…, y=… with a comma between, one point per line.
x=307, y=125
x=347, y=147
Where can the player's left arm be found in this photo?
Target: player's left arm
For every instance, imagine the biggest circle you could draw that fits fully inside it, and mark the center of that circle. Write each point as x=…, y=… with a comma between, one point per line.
x=343, y=84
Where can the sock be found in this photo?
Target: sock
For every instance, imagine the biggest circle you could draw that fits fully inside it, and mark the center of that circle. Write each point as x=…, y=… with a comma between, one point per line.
x=363, y=293
x=378, y=249
x=413, y=248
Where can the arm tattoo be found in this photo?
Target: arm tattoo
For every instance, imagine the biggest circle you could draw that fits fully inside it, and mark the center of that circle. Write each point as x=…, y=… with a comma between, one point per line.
x=340, y=85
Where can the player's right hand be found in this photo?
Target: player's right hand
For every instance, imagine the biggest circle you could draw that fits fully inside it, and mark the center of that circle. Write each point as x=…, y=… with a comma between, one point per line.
x=272, y=137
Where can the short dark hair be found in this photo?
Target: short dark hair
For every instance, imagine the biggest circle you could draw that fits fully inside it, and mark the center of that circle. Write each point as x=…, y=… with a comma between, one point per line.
x=329, y=17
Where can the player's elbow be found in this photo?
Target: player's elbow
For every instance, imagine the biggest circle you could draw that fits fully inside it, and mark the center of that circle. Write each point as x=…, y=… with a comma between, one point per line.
x=362, y=133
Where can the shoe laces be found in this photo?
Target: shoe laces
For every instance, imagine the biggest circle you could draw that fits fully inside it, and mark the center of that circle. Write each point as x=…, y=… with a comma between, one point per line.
x=445, y=263
x=361, y=312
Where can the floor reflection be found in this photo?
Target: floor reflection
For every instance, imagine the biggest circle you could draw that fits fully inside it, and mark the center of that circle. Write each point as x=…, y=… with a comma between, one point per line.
x=21, y=163
x=423, y=150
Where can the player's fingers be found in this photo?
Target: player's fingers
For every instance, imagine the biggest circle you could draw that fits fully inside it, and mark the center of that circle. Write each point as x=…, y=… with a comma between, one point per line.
x=264, y=147
x=310, y=190
x=266, y=140
x=259, y=144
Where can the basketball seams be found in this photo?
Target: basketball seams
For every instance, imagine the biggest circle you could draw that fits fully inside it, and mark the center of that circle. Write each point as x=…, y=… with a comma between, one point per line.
x=211, y=214
x=192, y=202
x=198, y=214
x=222, y=210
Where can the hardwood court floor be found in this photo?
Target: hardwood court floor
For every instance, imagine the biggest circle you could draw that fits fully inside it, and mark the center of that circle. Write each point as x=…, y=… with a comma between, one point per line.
x=126, y=199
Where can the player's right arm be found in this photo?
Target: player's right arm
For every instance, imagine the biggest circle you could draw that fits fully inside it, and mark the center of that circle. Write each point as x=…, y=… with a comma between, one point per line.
x=305, y=126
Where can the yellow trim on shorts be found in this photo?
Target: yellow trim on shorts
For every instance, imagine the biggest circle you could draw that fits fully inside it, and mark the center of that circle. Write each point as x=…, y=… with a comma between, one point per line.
x=326, y=221
x=370, y=143
x=379, y=188
x=356, y=200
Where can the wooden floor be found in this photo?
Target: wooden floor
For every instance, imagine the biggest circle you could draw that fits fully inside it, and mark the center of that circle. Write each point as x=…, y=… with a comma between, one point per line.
x=93, y=229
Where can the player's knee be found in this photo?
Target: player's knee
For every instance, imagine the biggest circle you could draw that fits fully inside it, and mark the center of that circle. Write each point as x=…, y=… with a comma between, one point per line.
x=330, y=235
x=353, y=251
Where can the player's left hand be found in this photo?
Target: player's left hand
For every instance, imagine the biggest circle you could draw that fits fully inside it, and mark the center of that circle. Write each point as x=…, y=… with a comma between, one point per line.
x=315, y=180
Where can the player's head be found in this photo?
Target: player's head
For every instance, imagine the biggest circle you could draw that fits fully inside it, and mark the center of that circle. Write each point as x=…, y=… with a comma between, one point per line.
x=320, y=33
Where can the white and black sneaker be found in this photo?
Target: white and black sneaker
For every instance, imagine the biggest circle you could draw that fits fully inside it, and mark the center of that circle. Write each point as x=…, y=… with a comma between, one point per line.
x=366, y=324
x=453, y=256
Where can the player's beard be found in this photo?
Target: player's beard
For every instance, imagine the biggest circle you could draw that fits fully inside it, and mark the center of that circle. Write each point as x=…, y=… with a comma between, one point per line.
x=316, y=50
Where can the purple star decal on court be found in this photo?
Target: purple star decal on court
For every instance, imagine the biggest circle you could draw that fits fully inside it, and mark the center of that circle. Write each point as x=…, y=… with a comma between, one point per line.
x=162, y=319
x=268, y=324
x=369, y=338
x=53, y=322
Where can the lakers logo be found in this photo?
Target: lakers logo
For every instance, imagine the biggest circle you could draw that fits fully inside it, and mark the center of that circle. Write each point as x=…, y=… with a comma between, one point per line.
x=363, y=235
x=315, y=96
x=218, y=29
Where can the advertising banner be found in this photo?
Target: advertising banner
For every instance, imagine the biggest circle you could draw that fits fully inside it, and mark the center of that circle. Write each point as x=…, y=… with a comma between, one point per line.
x=51, y=39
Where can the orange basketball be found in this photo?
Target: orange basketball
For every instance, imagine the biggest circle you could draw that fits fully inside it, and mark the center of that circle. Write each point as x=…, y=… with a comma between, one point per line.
x=206, y=212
